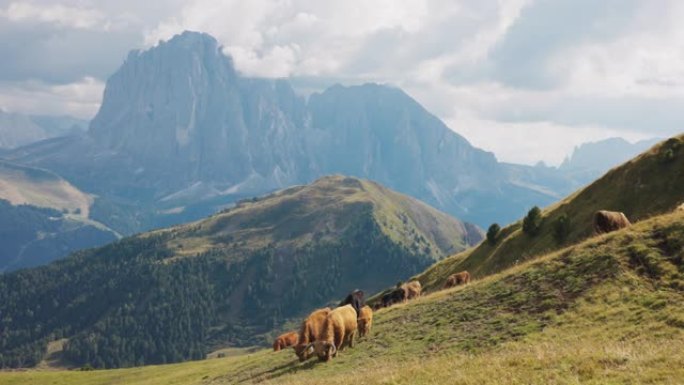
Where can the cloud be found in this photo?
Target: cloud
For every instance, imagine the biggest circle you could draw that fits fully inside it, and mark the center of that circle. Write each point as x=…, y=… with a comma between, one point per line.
x=543, y=74
x=80, y=99
x=58, y=14
x=299, y=37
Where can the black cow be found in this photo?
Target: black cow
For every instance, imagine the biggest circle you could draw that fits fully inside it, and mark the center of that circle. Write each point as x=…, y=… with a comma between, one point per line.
x=397, y=295
x=355, y=298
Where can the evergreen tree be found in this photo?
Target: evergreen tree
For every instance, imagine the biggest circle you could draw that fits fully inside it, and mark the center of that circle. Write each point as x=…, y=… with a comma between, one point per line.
x=493, y=233
x=532, y=222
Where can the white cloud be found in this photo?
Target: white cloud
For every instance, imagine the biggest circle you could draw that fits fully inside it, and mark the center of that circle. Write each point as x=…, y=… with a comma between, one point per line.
x=80, y=99
x=61, y=15
x=647, y=60
x=298, y=37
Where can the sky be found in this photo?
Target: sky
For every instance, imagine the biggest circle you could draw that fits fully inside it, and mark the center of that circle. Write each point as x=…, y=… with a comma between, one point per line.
x=526, y=79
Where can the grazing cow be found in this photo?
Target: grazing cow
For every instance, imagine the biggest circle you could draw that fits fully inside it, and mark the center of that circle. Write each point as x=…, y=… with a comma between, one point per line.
x=355, y=298
x=607, y=221
x=311, y=330
x=412, y=290
x=462, y=278
x=338, y=332
x=285, y=340
x=397, y=295
x=365, y=321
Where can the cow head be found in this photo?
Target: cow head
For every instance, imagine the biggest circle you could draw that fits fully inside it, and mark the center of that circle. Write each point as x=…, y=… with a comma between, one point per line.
x=304, y=351
x=325, y=350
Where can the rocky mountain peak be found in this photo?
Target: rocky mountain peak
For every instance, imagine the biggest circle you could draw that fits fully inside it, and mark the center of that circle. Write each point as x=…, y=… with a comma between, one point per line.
x=180, y=105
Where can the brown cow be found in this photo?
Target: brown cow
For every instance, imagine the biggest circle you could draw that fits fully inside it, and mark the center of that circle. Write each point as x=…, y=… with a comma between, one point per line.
x=462, y=278
x=608, y=221
x=285, y=340
x=365, y=321
x=338, y=332
x=412, y=290
x=311, y=330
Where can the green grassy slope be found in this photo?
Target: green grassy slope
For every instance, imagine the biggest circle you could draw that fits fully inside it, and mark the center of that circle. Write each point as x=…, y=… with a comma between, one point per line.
x=608, y=310
x=230, y=280
x=321, y=212
x=648, y=185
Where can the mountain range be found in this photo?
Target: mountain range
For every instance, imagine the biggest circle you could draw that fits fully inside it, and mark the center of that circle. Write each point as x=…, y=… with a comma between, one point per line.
x=181, y=133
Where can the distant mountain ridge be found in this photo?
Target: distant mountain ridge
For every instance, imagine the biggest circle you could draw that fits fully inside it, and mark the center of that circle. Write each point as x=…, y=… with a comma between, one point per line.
x=174, y=294
x=18, y=130
x=591, y=160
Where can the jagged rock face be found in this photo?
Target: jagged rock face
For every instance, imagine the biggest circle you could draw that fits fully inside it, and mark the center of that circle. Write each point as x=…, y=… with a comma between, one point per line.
x=380, y=133
x=181, y=110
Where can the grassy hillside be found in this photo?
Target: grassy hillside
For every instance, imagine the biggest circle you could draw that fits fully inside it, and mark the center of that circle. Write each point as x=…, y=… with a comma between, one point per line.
x=608, y=310
x=22, y=185
x=175, y=294
x=648, y=185
x=320, y=213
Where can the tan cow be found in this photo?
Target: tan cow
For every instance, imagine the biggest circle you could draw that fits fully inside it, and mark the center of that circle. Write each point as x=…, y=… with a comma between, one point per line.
x=338, y=332
x=285, y=340
x=462, y=278
x=608, y=221
x=365, y=320
x=311, y=330
x=412, y=290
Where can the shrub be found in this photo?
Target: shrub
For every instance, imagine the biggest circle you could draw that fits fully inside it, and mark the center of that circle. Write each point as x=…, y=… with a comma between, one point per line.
x=493, y=233
x=561, y=228
x=533, y=221
x=670, y=149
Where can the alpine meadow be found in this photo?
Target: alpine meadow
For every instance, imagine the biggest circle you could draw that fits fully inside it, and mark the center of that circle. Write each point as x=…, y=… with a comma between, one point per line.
x=307, y=192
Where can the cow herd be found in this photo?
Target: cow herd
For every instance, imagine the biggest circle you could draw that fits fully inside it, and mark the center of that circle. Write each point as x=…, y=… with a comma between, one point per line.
x=325, y=332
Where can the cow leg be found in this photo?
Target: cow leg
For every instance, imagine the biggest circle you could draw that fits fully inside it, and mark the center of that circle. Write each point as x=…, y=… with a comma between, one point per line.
x=351, y=339
x=339, y=343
